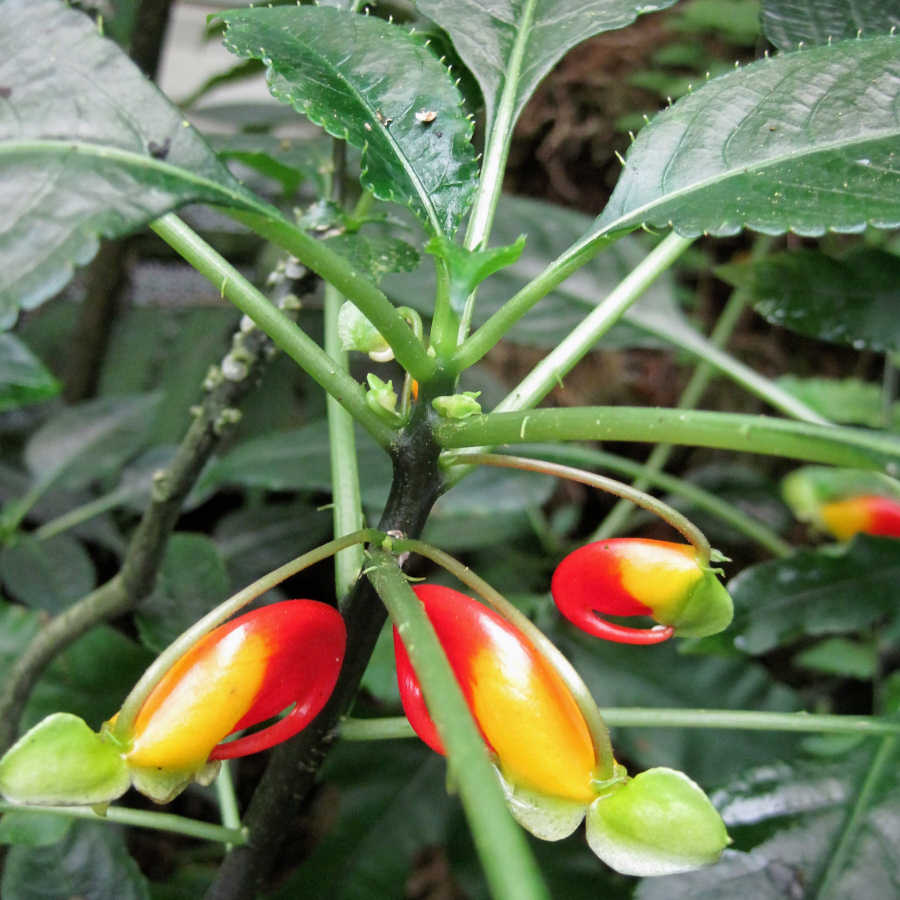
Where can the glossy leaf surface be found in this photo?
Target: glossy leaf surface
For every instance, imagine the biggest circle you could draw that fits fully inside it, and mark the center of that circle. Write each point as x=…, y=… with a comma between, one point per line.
x=787, y=23
x=815, y=592
x=485, y=32
x=804, y=142
x=89, y=148
x=848, y=301
x=365, y=80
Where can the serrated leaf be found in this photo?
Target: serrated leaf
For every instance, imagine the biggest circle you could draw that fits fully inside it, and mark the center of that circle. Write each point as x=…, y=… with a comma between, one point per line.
x=815, y=592
x=796, y=826
x=89, y=440
x=89, y=148
x=485, y=34
x=845, y=401
x=787, y=23
x=365, y=81
x=853, y=300
x=191, y=581
x=802, y=141
x=23, y=377
x=88, y=863
x=48, y=575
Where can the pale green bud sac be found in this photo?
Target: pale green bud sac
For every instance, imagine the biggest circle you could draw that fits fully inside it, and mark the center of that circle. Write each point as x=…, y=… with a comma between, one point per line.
x=358, y=333
x=62, y=762
x=381, y=395
x=458, y=406
x=659, y=823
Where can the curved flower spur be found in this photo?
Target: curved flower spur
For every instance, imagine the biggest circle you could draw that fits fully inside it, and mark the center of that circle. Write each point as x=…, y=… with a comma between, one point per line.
x=239, y=675
x=551, y=766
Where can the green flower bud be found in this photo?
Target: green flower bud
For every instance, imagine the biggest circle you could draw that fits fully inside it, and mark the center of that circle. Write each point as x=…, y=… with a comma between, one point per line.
x=358, y=333
x=381, y=395
x=458, y=406
x=659, y=823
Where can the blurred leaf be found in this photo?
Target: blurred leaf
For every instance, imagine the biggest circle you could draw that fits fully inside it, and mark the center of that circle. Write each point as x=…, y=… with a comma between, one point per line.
x=91, y=863
x=787, y=23
x=845, y=401
x=850, y=301
x=486, y=32
x=838, y=656
x=815, y=592
x=380, y=678
x=665, y=678
x=733, y=20
x=90, y=679
x=191, y=581
x=392, y=804
x=33, y=829
x=23, y=377
x=49, y=575
x=78, y=164
x=248, y=68
x=801, y=141
x=17, y=627
x=86, y=442
x=798, y=827
x=298, y=460
x=364, y=81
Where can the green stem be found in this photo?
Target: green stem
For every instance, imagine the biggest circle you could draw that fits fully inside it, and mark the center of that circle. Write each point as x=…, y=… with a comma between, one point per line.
x=88, y=511
x=347, y=511
x=645, y=475
x=285, y=333
x=335, y=269
x=228, y=805
x=141, y=818
x=839, y=446
x=617, y=518
x=837, y=860
x=681, y=523
x=641, y=717
x=599, y=732
x=444, y=321
x=158, y=668
x=548, y=373
x=499, y=136
x=509, y=866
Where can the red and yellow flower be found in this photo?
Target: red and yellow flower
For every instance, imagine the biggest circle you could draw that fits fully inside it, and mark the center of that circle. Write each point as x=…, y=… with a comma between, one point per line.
x=639, y=577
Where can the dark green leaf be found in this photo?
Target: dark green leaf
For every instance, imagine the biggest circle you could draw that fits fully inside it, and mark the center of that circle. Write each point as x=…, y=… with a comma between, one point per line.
x=89, y=441
x=798, y=827
x=49, y=575
x=665, y=678
x=845, y=401
x=375, y=254
x=191, y=581
x=370, y=83
x=89, y=148
x=17, y=627
x=736, y=21
x=815, y=592
x=91, y=863
x=802, y=141
x=485, y=34
x=33, y=829
x=838, y=656
x=787, y=23
x=854, y=300
x=90, y=679
x=23, y=377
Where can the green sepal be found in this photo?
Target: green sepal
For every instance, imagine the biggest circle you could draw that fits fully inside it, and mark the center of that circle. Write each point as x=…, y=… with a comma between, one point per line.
x=707, y=609
x=806, y=489
x=659, y=823
x=382, y=398
x=546, y=817
x=163, y=786
x=468, y=268
x=63, y=762
x=458, y=406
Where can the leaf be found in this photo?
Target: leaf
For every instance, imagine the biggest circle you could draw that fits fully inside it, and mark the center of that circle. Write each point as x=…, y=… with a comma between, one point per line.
x=375, y=254
x=838, y=656
x=88, y=863
x=801, y=141
x=33, y=829
x=23, y=377
x=88, y=441
x=17, y=627
x=49, y=575
x=485, y=34
x=793, y=824
x=845, y=401
x=848, y=301
x=89, y=148
x=787, y=23
x=365, y=81
x=815, y=592
x=191, y=581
